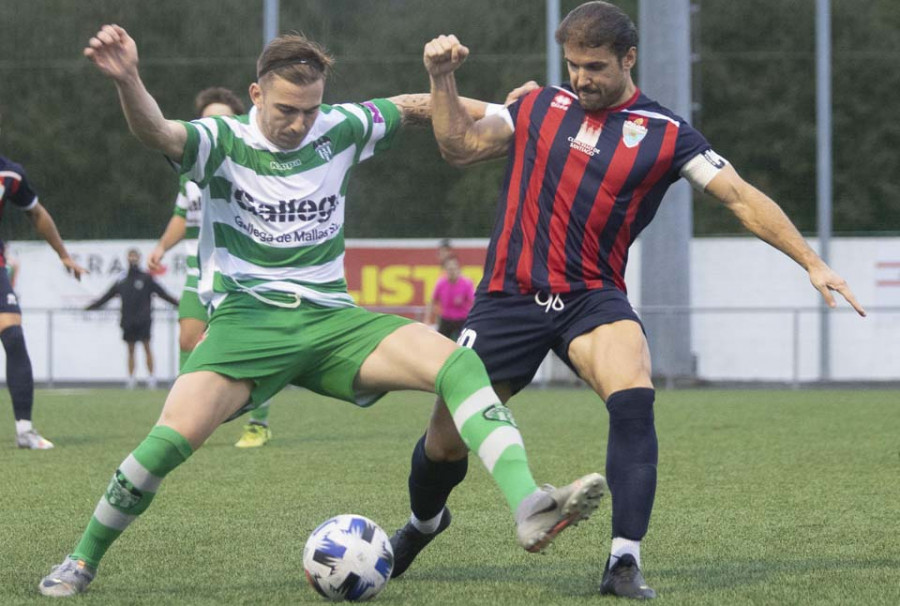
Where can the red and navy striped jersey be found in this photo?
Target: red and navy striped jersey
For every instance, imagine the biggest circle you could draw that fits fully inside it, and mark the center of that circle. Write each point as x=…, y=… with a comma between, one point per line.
x=579, y=187
x=14, y=188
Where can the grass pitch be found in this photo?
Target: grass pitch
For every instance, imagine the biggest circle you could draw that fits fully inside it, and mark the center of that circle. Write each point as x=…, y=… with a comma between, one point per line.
x=764, y=497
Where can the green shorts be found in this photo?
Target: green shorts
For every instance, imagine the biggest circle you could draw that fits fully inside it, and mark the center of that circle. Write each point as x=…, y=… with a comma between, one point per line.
x=320, y=348
x=189, y=306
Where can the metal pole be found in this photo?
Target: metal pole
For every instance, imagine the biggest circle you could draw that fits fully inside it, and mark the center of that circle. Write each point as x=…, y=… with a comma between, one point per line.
x=50, y=348
x=270, y=20
x=664, y=66
x=553, y=57
x=823, y=166
x=796, y=347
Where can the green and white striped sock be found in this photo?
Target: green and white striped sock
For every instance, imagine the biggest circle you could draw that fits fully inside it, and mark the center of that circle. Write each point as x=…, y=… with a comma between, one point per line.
x=131, y=490
x=486, y=426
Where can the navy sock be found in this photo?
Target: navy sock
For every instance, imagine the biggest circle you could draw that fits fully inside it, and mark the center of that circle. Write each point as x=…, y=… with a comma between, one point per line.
x=631, y=457
x=18, y=372
x=431, y=482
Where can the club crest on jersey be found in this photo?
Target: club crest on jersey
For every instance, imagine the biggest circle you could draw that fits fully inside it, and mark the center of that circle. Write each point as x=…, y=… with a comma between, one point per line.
x=561, y=101
x=322, y=145
x=633, y=131
x=588, y=136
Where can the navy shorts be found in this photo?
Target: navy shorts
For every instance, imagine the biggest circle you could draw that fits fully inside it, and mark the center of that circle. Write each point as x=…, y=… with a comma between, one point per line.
x=9, y=302
x=132, y=333
x=512, y=334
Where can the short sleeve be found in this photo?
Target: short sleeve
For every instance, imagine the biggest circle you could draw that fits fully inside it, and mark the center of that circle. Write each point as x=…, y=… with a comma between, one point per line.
x=689, y=144
x=16, y=187
x=201, y=144
x=379, y=120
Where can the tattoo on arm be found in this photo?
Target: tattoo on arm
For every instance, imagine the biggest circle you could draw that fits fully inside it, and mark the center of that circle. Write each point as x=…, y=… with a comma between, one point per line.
x=415, y=110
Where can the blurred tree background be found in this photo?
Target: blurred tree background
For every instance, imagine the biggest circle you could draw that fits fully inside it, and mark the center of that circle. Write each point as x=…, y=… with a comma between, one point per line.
x=755, y=76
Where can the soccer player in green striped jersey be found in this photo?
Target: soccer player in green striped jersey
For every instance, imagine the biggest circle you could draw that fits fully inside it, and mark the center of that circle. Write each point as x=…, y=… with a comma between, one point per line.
x=185, y=225
x=271, y=266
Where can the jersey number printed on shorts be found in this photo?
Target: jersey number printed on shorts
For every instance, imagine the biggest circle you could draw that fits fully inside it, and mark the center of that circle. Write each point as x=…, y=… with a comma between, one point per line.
x=467, y=338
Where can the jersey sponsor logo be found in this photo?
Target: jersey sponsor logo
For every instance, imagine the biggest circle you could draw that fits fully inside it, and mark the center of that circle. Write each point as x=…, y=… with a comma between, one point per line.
x=586, y=139
x=377, y=118
x=288, y=211
x=499, y=412
x=714, y=158
x=633, y=131
x=322, y=145
x=273, y=165
x=561, y=101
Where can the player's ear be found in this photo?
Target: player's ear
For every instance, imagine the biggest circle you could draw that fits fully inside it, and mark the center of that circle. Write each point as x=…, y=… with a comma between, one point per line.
x=256, y=94
x=630, y=58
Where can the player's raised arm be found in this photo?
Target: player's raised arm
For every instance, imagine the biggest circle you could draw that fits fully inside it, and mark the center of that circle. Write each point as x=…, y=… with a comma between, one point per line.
x=461, y=139
x=415, y=109
x=764, y=218
x=115, y=54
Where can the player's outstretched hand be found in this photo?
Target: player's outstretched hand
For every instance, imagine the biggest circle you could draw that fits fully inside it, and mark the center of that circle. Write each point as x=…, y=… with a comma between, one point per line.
x=824, y=279
x=154, y=261
x=444, y=55
x=113, y=51
x=74, y=268
x=520, y=91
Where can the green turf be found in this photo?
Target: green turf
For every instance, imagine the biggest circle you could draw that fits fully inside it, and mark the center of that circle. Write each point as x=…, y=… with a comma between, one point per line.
x=765, y=497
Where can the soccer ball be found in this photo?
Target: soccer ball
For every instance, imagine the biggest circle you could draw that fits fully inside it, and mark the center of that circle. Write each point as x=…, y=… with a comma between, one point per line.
x=348, y=557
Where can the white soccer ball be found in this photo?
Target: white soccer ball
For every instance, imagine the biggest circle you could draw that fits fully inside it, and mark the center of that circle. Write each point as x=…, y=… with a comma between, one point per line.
x=348, y=557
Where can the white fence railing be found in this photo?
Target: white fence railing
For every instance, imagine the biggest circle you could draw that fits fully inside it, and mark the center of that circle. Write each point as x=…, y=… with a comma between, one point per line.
x=729, y=344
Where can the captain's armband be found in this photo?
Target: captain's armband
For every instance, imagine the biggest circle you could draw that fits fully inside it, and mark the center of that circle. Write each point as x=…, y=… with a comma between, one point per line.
x=701, y=169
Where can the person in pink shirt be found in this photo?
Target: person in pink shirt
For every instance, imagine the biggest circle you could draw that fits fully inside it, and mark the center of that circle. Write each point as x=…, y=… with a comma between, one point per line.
x=453, y=294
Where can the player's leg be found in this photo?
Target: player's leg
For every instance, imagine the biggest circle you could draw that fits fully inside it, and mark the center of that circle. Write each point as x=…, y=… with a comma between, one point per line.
x=614, y=359
x=256, y=432
x=130, y=343
x=197, y=404
x=148, y=354
x=415, y=357
x=192, y=322
x=19, y=377
x=439, y=463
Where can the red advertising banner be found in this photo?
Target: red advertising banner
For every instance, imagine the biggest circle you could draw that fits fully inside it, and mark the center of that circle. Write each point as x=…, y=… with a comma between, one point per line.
x=395, y=274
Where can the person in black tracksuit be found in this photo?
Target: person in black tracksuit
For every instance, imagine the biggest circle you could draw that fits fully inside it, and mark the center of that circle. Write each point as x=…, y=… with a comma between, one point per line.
x=136, y=289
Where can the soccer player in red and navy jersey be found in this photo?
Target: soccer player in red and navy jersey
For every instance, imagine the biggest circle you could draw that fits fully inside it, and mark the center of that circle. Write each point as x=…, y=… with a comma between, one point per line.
x=588, y=164
x=16, y=190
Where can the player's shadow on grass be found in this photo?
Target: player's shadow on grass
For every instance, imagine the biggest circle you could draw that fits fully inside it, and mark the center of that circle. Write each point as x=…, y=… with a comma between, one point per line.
x=557, y=577
x=731, y=574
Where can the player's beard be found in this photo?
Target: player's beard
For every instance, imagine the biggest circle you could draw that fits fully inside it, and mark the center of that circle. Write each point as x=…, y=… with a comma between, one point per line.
x=594, y=99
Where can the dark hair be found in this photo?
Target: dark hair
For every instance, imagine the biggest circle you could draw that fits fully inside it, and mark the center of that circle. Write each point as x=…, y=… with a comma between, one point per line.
x=218, y=94
x=295, y=58
x=444, y=243
x=598, y=24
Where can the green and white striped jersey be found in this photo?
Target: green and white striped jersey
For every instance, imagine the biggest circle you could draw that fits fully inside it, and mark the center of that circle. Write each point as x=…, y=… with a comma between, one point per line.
x=188, y=206
x=273, y=221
